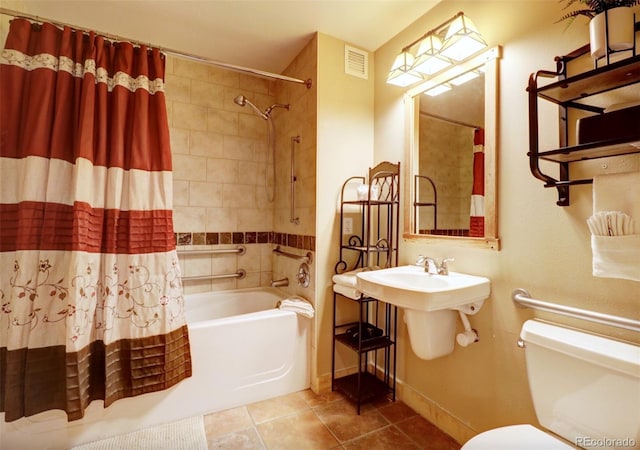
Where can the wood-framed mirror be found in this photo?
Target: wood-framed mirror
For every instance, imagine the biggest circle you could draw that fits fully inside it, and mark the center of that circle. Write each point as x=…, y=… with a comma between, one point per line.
x=450, y=174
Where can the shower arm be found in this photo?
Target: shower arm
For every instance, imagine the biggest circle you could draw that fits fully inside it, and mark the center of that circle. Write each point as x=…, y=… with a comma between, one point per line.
x=294, y=140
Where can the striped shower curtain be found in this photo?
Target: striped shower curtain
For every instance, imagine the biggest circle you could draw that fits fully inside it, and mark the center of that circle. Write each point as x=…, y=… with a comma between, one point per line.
x=476, y=227
x=90, y=292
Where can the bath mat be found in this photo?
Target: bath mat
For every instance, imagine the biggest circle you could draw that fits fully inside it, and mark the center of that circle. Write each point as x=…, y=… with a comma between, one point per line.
x=187, y=434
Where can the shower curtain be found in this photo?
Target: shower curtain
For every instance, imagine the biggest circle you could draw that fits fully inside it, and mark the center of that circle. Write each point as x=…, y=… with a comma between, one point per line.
x=476, y=227
x=90, y=291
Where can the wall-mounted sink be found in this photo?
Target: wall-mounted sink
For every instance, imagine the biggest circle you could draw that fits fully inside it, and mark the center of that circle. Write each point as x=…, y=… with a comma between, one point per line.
x=431, y=303
x=413, y=288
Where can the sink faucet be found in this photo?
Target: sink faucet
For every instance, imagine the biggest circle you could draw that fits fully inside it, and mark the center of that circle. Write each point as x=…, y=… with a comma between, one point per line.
x=441, y=268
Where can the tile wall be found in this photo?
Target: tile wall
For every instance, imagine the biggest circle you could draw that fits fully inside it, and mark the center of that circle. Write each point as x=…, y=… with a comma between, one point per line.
x=451, y=169
x=219, y=164
x=221, y=156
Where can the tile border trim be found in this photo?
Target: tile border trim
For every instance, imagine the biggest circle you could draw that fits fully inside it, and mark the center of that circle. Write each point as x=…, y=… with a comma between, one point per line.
x=302, y=242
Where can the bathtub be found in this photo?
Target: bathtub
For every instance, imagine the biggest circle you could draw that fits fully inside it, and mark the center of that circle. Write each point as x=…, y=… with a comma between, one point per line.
x=243, y=350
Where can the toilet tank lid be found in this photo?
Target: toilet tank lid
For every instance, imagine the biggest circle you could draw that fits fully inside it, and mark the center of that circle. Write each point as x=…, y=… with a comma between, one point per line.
x=616, y=355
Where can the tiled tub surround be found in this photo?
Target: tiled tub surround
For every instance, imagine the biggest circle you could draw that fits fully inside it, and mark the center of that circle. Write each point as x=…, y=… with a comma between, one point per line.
x=258, y=261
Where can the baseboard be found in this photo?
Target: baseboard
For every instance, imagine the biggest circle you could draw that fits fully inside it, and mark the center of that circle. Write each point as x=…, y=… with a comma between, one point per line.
x=427, y=408
x=434, y=413
x=322, y=383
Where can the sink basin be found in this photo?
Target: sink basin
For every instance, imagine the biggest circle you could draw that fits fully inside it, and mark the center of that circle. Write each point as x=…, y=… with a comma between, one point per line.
x=412, y=288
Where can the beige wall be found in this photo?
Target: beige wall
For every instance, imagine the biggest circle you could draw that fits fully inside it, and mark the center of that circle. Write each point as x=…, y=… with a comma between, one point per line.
x=545, y=248
x=345, y=144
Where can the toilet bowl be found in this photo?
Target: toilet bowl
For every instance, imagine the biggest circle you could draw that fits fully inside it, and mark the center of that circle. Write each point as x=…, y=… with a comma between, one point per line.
x=525, y=437
x=577, y=380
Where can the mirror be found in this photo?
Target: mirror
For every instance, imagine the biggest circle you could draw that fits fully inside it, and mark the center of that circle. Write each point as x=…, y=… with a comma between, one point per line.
x=451, y=156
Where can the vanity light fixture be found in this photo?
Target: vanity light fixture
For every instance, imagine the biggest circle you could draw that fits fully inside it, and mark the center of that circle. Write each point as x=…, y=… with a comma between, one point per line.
x=463, y=39
x=450, y=42
x=402, y=73
x=428, y=59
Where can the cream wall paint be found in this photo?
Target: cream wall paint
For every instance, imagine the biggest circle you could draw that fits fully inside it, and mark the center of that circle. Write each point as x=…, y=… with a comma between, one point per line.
x=545, y=248
x=345, y=149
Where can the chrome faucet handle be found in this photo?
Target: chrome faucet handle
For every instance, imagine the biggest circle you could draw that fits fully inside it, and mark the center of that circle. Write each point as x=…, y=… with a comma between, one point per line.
x=443, y=269
x=424, y=261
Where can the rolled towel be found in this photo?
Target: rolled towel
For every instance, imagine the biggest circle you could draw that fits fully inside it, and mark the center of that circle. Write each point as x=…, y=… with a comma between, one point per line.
x=298, y=305
x=347, y=278
x=611, y=223
x=347, y=291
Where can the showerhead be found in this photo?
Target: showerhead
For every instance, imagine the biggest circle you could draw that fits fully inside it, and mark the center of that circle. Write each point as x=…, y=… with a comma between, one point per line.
x=241, y=100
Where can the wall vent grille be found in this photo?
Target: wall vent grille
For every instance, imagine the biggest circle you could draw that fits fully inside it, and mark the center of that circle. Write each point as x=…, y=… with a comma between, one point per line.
x=356, y=62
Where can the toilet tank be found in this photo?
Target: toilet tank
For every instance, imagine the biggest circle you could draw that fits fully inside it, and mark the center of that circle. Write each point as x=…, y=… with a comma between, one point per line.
x=585, y=388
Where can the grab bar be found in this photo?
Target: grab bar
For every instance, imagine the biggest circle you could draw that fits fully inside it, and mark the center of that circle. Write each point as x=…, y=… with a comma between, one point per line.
x=240, y=250
x=522, y=298
x=308, y=258
x=241, y=273
x=294, y=140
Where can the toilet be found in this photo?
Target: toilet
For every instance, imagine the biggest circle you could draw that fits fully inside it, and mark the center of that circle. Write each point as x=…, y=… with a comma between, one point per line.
x=585, y=389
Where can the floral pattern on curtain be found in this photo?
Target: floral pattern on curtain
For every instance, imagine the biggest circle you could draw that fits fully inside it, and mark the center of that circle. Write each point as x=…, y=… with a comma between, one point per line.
x=476, y=227
x=90, y=291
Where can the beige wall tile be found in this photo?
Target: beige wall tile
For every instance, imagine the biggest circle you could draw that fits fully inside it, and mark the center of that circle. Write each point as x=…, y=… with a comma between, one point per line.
x=219, y=121
x=206, y=143
x=206, y=94
x=255, y=219
x=238, y=196
x=181, y=193
x=188, y=219
x=239, y=147
x=178, y=89
x=223, y=77
x=221, y=219
x=190, y=117
x=192, y=69
x=207, y=194
x=179, y=141
x=223, y=170
x=190, y=168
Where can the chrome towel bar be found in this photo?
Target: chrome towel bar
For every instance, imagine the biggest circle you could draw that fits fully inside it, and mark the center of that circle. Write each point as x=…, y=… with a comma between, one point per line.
x=241, y=273
x=240, y=250
x=308, y=258
x=522, y=298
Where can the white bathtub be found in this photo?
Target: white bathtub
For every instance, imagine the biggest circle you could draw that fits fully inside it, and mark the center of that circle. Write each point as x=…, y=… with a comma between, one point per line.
x=243, y=351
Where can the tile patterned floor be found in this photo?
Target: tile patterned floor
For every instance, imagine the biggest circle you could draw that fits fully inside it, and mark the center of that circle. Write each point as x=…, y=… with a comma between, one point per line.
x=304, y=420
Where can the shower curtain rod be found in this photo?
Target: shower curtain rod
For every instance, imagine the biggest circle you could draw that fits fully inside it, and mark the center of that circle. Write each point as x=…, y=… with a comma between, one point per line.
x=248, y=70
x=453, y=121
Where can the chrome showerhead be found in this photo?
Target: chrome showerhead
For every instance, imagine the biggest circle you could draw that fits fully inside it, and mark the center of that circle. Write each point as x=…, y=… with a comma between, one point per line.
x=241, y=100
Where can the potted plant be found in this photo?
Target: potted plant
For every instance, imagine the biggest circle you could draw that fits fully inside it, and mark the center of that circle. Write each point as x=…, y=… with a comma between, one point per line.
x=616, y=16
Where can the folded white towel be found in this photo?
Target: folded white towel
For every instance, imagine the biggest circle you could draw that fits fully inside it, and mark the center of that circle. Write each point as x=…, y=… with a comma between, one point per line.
x=614, y=244
x=347, y=291
x=616, y=256
x=298, y=305
x=611, y=223
x=347, y=278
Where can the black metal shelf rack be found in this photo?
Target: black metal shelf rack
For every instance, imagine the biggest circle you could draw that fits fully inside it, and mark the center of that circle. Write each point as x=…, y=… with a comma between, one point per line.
x=575, y=92
x=375, y=243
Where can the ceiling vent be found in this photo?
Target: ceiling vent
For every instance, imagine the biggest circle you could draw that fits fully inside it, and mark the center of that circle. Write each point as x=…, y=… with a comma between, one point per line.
x=356, y=62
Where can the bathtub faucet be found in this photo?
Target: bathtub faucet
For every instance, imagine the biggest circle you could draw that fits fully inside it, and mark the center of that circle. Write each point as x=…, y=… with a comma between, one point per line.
x=280, y=283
